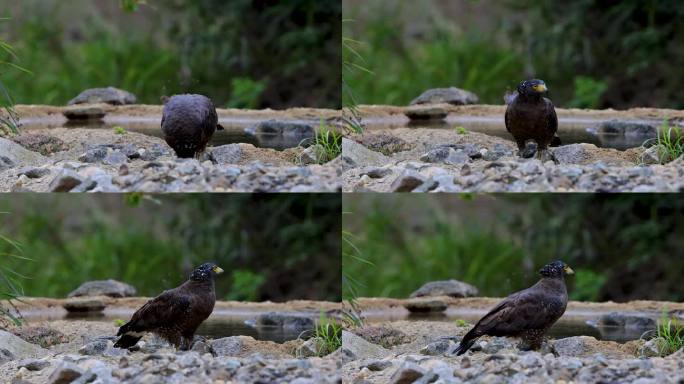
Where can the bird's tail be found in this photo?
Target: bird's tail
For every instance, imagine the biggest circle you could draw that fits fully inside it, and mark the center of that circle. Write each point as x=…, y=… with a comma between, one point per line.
x=467, y=342
x=128, y=337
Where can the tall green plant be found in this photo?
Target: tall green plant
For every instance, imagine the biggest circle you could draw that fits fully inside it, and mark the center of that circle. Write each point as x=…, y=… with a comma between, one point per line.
x=10, y=286
x=6, y=102
x=351, y=256
x=352, y=62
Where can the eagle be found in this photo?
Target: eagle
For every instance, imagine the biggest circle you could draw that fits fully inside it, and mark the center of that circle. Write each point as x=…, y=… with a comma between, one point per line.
x=188, y=123
x=527, y=314
x=176, y=313
x=531, y=116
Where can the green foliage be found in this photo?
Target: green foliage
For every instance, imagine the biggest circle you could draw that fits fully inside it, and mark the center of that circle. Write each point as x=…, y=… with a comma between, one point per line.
x=240, y=53
x=587, y=285
x=9, y=120
x=245, y=285
x=588, y=92
x=119, y=130
x=461, y=323
x=619, y=244
x=669, y=336
x=119, y=322
x=329, y=141
x=352, y=64
x=10, y=285
x=669, y=142
x=461, y=131
x=270, y=243
x=330, y=332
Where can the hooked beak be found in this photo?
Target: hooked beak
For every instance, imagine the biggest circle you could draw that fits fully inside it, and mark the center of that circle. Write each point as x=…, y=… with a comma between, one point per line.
x=217, y=270
x=568, y=270
x=540, y=88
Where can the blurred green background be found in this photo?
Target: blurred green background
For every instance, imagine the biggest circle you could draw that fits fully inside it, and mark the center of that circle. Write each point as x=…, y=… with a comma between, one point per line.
x=591, y=53
x=240, y=53
x=272, y=247
x=621, y=246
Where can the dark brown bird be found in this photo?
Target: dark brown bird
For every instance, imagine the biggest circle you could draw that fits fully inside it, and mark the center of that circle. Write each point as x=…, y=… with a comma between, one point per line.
x=175, y=314
x=527, y=314
x=188, y=123
x=531, y=116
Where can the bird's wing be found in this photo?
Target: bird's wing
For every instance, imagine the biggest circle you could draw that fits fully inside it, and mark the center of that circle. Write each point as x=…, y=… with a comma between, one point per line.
x=160, y=311
x=507, y=117
x=551, y=118
x=527, y=309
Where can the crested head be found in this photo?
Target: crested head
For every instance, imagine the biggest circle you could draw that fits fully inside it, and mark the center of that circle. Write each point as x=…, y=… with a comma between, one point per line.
x=556, y=269
x=205, y=272
x=532, y=87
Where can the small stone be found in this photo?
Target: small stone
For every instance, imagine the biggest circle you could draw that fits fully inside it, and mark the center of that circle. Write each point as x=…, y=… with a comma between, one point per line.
x=84, y=305
x=376, y=172
x=426, y=113
x=226, y=154
x=109, y=95
x=34, y=172
x=407, y=374
x=115, y=158
x=378, y=365
x=419, y=305
x=438, y=348
x=312, y=347
x=315, y=154
x=94, y=348
x=65, y=181
x=84, y=113
x=34, y=364
x=436, y=155
x=457, y=157
x=452, y=288
x=451, y=95
x=227, y=346
x=130, y=151
x=407, y=182
x=65, y=373
x=111, y=288
x=93, y=155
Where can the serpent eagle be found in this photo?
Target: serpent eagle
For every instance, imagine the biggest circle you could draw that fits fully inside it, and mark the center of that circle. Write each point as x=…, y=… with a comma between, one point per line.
x=188, y=123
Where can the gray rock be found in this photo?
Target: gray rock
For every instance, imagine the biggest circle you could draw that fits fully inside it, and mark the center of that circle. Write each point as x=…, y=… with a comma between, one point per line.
x=573, y=153
x=436, y=155
x=656, y=154
x=378, y=365
x=94, y=348
x=312, y=347
x=495, y=344
x=84, y=305
x=422, y=305
x=496, y=152
x=358, y=348
x=628, y=129
x=226, y=154
x=43, y=144
x=284, y=320
x=65, y=181
x=109, y=95
x=130, y=150
x=34, y=172
x=33, y=364
x=376, y=172
x=115, y=158
x=5, y=356
x=457, y=157
x=453, y=288
x=426, y=113
x=652, y=348
x=360, y=156
x=65, y=373
x=153, y=152
x=93, y=155
x=575, y=346
x=407, y=374
x=284, y=128
x=14, y=155
x=84, y=113
x=451, y=95
x=6, y=163
x=438, y=348
x=407, y=182
x=315, y=154
x=626, y=320
x=16, y=348
x=227, y=346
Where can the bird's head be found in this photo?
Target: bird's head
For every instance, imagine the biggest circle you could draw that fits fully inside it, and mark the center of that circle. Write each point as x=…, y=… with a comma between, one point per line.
x=556, y=269
x=205, y=271
x=532, y=87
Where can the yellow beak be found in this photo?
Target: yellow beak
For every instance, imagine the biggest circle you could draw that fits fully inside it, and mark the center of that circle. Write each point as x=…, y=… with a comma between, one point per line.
x=568, y=270
x=217, y=270
x=540, y=87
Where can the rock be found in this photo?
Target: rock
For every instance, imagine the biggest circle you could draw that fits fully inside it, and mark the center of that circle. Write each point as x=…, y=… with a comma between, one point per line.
x=15, y=155
x=84, y=113
x=628, y=128
x=109, y=95
x=496, y=152
x=94, y=348
x=384, y=336
x=153, y=152
x=426, y=113
x=358, y=348
x=626, y=320
x=579, y=346
x=451, y=95
x=6, y=163
x=115, y=158
x=436, y=155
x=43, y=144
x=93, y=155
x=34, y=172
x=13, y=347
x=40, y=335
x=227, y=346
x=407, y=374
x=656, y=154
x=453, y=288
x=111, y=288
x=84, y=305
x=573, y=153
x=284, y=320
x=315, y=154
x=65, y=373
x=33, y=364
x=378, y=365
x=283, y=128
x=226, y=154
x=457, y=157
x=383, y=143
x=376, y=172
x=407, y=182
x=421, y=305
x=439, y=347
x=360, y=156
x=65, y=181
x=312, y=347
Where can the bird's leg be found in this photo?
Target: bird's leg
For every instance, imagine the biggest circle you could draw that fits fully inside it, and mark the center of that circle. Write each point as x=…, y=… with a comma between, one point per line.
x=521, y=148
x=532, y=339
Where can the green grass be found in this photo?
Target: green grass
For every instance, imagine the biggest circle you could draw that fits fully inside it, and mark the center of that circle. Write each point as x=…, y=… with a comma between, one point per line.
x=669, y=143
x=669, y=335
x=328, y=142
x=330, y=333
x=462, y=323
x=6, y=101
x=461, y=131
x=10, y=285
x=119, y=130
x=119, y=322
